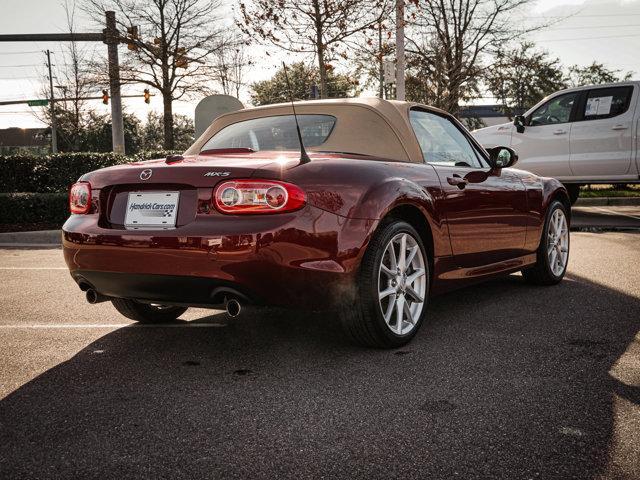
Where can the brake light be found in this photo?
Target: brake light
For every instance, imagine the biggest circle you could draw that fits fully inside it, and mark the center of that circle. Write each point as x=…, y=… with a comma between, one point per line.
x=80, y=198
x=258, y=196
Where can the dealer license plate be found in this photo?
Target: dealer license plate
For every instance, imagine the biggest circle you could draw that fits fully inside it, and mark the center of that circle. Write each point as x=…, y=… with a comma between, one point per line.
x=157, y=210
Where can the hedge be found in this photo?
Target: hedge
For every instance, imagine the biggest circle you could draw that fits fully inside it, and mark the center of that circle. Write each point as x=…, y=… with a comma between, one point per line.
x=21, y=208
x=54, y=173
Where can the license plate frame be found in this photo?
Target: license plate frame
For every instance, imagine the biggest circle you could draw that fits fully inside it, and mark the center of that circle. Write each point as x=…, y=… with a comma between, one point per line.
x=157, y=210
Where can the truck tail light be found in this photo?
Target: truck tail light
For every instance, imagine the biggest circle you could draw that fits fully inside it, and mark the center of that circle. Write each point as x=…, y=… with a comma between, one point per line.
x=258, y=196
x=80, y=198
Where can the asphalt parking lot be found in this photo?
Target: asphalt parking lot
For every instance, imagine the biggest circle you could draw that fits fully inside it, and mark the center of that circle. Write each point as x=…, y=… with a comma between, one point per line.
x=505, y=381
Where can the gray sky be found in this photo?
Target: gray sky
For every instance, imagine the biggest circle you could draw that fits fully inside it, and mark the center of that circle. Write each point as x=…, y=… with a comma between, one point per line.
x=607, y=31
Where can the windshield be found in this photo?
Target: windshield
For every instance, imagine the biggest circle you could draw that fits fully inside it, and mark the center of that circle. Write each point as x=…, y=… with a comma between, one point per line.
x=272, y=133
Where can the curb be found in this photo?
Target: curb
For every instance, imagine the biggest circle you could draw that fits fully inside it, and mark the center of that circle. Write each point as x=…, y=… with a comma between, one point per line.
x=607, y=201
x=39, y=239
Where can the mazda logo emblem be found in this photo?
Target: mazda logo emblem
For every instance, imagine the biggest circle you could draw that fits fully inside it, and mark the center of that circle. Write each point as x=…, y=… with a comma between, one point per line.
x=146, y=174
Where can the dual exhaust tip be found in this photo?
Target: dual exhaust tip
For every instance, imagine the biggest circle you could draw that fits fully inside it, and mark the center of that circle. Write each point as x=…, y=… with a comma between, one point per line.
x=232, y=307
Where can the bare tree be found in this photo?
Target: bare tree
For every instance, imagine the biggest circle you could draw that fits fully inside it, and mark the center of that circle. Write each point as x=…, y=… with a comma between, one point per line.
x=172, y=46
x=73, y=81
x=319, y=27
x=452, y=36
x=230, y=67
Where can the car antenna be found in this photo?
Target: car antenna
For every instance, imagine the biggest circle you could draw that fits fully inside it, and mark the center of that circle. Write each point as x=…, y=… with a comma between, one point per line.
x=304, y=158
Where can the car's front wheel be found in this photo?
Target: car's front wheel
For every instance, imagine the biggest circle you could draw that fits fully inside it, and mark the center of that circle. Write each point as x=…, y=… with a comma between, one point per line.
x=147, y=312
x=573, y=189
x=553, y=253
x=392, y=290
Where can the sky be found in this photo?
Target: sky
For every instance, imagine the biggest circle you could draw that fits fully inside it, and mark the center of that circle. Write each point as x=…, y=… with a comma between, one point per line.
x=579, y=32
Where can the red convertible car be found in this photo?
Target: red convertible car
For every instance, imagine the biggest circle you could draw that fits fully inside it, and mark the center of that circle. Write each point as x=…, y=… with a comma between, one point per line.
x=386, y=204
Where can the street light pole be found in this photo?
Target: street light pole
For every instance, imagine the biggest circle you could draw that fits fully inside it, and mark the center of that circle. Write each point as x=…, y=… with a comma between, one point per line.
x=400, y=62
x=54, y=126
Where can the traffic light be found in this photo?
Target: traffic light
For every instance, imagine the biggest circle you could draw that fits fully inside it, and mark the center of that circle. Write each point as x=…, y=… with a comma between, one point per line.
x=132, y=33
x=147, y=96
x=105, y=97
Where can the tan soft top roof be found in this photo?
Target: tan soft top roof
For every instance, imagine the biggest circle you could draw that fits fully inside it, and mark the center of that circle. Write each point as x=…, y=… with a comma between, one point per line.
x=369, y=126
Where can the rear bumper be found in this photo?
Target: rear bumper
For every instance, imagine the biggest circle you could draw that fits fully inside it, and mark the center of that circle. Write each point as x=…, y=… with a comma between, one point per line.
x=307, y=258
x=168, y=289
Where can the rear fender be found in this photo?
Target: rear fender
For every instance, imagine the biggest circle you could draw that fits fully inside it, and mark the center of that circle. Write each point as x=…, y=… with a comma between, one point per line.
x=381, y=199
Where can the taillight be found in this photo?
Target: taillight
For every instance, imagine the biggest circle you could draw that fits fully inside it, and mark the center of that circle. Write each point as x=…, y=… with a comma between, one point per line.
x=80, y=198
x=258, y=196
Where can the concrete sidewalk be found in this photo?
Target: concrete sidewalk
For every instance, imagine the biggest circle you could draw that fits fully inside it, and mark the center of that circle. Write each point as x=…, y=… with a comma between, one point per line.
x=39, y=239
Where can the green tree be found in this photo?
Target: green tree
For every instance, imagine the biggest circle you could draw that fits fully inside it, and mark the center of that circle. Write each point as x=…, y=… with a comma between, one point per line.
x=96, y=134
x=595, y=74
x=302, y=79
x=522, y=76
x=151, y=133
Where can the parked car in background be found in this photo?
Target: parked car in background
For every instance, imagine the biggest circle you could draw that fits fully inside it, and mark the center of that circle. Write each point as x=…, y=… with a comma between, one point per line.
x=579, y=136
x=394, y=202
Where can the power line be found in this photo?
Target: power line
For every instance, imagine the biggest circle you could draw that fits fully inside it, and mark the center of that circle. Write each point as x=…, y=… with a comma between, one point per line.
x=21, y=53
x=23, y=65
x=589, y=16
x=594, y=26
x=587, y=38
x=28, y=77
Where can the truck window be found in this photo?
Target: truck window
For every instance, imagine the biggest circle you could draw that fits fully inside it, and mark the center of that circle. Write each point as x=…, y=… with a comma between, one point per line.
x=607, y=102
x=556, y=110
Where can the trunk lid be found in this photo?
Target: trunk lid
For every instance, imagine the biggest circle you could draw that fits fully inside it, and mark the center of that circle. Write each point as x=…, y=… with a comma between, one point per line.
x=192, y=178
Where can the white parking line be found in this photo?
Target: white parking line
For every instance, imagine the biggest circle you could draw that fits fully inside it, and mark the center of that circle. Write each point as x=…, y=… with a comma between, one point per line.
x=111, y=325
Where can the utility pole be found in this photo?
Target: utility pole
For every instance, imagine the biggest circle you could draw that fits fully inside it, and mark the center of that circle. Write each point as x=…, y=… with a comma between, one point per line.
x=54, y=126
x=400, y=50
x=111, y=38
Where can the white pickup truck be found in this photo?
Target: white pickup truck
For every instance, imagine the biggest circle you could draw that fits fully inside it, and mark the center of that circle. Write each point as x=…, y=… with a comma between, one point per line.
x=579, y=136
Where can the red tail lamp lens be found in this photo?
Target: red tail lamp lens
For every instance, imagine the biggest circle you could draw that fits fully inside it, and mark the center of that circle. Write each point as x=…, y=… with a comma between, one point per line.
x=258, y=196
x=80, y=198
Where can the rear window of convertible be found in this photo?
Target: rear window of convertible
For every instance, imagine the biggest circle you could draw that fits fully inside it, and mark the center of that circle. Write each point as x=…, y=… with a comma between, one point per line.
x=273, y=133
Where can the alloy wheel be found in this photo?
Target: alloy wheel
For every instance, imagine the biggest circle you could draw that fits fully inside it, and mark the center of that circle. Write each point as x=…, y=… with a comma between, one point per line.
x=402, y=283
x=558, y=242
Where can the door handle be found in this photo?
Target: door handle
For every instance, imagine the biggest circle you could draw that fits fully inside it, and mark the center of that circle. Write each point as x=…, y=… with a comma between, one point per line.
x=619, y=127
x=457, y=180
x=559, y=132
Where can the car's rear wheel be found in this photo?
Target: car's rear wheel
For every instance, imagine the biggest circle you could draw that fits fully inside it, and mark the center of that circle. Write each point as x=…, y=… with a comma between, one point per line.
x=553, y=252
x=392, y=290
x=147, y=312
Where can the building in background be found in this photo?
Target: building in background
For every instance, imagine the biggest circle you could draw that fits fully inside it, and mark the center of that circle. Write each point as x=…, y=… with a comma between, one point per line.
x=27, y=140
x=489, y=115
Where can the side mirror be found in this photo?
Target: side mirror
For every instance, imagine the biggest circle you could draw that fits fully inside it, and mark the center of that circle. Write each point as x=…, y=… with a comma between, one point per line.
x=519, y=121
x=502, y=157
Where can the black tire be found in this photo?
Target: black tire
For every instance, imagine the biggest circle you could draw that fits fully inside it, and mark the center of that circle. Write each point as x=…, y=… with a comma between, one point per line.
x=146, y=313
x=363, y=321
x=541, y=273
x=573, y=189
